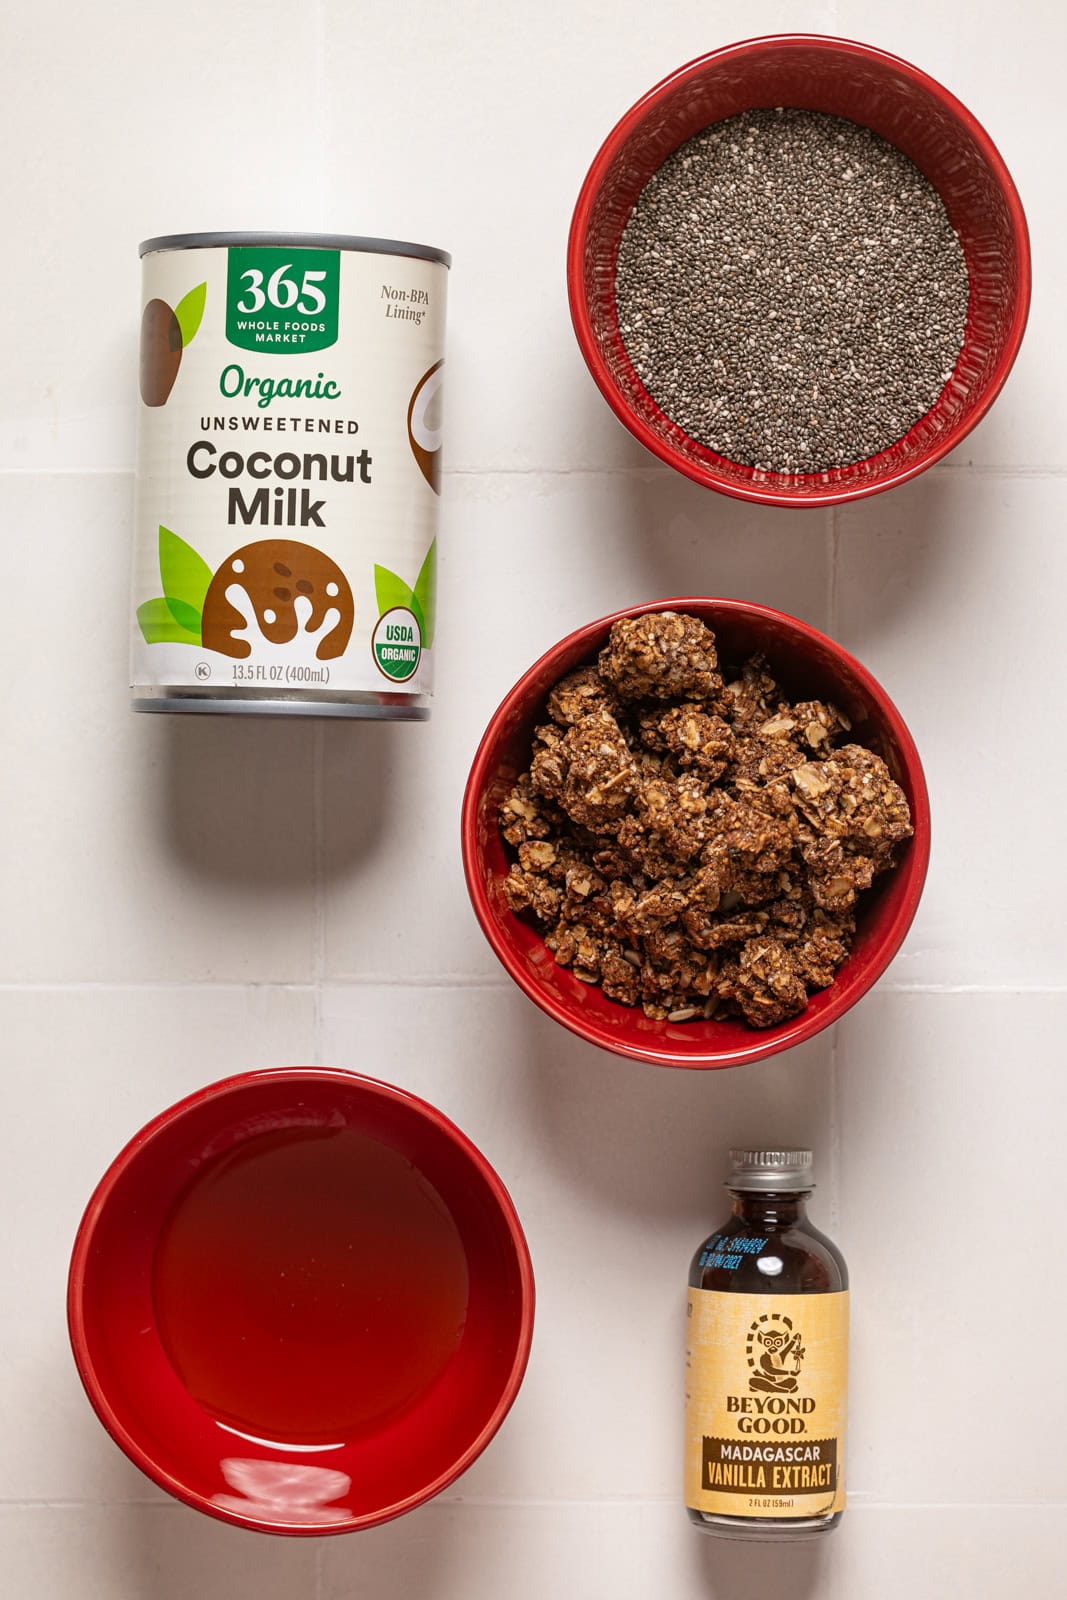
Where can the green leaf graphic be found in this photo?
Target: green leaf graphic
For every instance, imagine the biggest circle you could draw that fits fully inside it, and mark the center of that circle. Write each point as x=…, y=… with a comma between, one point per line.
x=426, y=596
x=189, y=310
x=416, y=611
x=187, y=617
x=159, y=625
x=185, y=575
x=391, y=591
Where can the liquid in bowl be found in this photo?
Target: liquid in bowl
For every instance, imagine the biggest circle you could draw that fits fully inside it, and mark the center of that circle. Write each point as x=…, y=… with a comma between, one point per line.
x=334, y=1268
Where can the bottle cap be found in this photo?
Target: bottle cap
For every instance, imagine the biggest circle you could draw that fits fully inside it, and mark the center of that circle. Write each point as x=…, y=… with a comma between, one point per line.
x=770, y=1171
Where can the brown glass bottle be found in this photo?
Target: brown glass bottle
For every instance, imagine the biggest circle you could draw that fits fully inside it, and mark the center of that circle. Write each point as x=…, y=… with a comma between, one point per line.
x=766, y=1370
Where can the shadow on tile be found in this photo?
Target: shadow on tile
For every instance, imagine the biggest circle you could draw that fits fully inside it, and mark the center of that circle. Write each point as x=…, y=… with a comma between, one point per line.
x=889, y=548
x=995, y=439
x=673, y=537
x=112, y=1475
x=174, y=1553
x=696, y=541
x=408, y=1557
x=654, y=1139
x=168, y=1551
x=236, y=802
x=606, y=444
x=366, y=766
x=238, y=794
x=730, y=1569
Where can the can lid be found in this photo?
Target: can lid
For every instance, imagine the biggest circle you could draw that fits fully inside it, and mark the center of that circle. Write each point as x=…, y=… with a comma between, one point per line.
x=770, y=1170
x=295, y=241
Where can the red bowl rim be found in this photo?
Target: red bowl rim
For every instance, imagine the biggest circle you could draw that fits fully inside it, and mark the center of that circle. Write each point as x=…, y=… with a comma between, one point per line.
x=582, y=321
x=83, y=1245
x=772, y=1041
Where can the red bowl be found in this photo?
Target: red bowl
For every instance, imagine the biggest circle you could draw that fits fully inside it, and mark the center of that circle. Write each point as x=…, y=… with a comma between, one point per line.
x=808, y=665
x=339, y=1398
x=897, y=101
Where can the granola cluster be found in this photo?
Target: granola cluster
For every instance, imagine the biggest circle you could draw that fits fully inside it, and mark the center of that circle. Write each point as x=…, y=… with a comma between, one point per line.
x=691, y=843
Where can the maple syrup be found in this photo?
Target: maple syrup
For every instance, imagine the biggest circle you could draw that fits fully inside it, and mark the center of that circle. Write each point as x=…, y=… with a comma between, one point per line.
x=310, y=1285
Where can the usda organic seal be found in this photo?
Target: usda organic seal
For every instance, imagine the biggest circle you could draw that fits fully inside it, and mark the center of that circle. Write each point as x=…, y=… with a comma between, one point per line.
x=397, y=644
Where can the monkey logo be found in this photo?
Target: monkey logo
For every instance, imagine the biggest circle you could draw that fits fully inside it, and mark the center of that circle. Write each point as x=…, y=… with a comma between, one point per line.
x=775, y=1366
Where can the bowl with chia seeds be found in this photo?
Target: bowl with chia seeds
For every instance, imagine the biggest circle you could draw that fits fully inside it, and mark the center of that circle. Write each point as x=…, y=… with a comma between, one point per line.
x=696, y=832
x=799, y=270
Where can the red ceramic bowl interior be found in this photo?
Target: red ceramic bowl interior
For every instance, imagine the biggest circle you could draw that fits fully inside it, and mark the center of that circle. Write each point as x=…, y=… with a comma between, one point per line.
x=327, y=1475
x=897, y=101
x=808, y=665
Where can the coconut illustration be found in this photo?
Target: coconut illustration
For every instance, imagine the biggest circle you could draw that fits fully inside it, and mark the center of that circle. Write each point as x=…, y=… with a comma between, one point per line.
x=290, y=587
x=165, y=331
x=277, y=575
x=424, y=424
x=161, y=352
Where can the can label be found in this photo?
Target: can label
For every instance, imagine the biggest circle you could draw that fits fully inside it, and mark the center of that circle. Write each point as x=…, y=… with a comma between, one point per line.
x=289, y=467
x=765, y=1403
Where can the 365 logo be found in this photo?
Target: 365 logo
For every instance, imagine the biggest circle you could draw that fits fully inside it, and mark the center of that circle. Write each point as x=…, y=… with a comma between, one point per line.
x=281, y=300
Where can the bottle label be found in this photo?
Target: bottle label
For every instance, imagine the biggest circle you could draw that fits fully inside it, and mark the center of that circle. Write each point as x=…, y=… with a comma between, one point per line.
x=765, y=1403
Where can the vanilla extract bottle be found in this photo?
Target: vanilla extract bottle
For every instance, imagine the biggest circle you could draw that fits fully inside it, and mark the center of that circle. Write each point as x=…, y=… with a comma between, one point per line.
x=766, y=1361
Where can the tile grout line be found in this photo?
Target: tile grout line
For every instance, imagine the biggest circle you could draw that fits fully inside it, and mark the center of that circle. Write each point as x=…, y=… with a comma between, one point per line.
x=835, y=1032
x=858, y=1502
x=322, y=82
x=318, y=746
x=991, y=469
x=434, y=981
x=66, y=472
x=832, y=598
x=974, y=988
x=411, y=980
x=318, y=935
x=835, y=1129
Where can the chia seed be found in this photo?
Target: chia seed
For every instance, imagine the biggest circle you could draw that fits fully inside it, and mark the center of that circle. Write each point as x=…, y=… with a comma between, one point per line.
x=790, y=290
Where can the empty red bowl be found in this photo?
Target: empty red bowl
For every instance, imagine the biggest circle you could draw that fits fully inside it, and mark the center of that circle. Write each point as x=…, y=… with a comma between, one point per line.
x=897, y=101
x=808, y=665
x=301, y=1301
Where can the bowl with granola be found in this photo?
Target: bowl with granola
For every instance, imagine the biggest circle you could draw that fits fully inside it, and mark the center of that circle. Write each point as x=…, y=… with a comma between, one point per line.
x=696, y=832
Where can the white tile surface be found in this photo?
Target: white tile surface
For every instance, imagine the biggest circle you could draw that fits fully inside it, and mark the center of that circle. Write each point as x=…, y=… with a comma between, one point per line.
x=86, y=1068
x=184, y=898
x=123, y=124
x=950, y=1118
x=164, y=1551
x=631, y=1551
x=152, y=848
x=927, y=1552
x=527, y=1552
x=950, y=590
